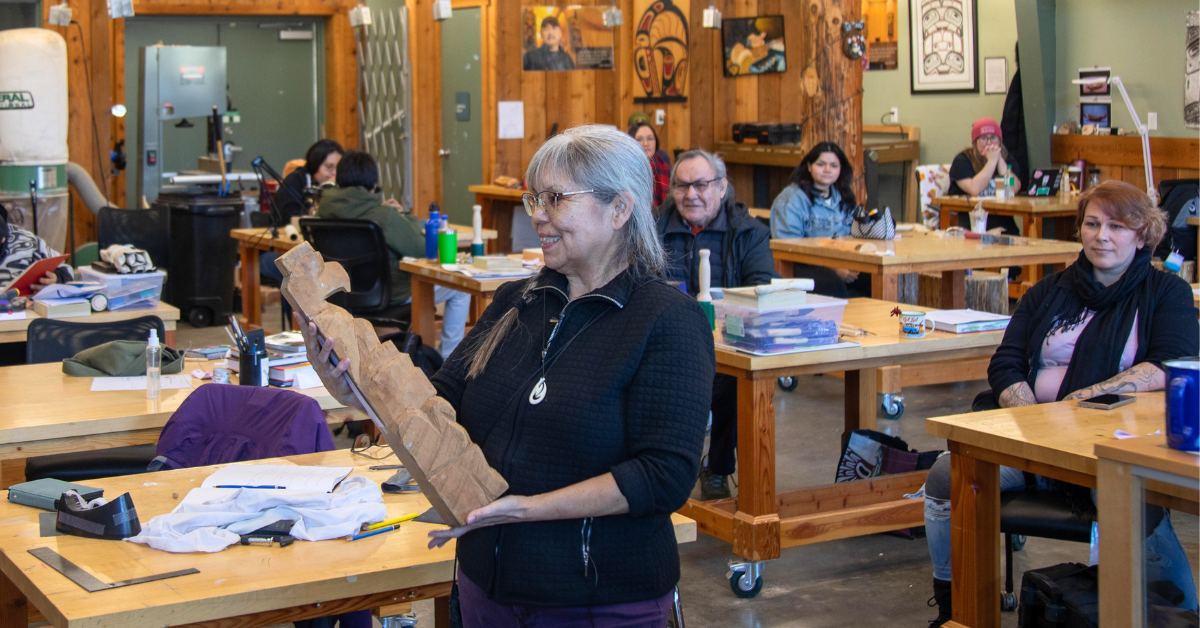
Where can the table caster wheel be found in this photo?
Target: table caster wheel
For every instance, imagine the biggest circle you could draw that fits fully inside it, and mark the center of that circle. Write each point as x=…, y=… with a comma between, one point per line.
x=1008, y=601
x=200, y=317
x=892, y=407
x=1018, y=542
x=787, y=384
x=736, y=583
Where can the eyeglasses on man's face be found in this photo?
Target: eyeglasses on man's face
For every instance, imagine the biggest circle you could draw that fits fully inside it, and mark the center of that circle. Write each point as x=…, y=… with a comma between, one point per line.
x=701, y=186
x=546, y=201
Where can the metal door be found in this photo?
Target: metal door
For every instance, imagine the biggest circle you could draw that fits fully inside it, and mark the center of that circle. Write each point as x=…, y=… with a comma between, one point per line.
x=272, y=81
x=462, y=129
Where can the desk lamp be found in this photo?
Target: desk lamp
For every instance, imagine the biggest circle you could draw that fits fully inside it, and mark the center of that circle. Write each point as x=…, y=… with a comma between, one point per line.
x=1142, y=129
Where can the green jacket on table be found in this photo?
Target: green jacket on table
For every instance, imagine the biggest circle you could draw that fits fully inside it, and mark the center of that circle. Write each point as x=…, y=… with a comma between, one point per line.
x=405, y=235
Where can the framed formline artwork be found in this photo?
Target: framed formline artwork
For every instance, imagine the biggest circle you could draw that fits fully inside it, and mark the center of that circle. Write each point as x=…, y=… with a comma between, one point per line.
x=945, y=46
x=660, y=50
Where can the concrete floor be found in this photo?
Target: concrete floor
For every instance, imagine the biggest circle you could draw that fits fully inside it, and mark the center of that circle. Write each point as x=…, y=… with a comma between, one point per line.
x=876, y=580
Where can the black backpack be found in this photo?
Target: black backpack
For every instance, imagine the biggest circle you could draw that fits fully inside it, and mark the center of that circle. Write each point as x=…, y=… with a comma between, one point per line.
x=1179, y=199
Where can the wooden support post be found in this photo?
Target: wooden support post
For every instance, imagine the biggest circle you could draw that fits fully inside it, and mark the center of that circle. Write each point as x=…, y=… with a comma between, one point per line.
x=441, y=612
x=860, y=401
x=251, y=307
x=422, y=317
x=1120, y=509
x=14, y=608
x=756, y=446
x=975, y=540
x=954, y=289
x=885, y=287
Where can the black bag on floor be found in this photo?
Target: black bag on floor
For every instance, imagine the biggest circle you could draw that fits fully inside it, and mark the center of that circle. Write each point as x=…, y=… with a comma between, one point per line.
x=1062, y=596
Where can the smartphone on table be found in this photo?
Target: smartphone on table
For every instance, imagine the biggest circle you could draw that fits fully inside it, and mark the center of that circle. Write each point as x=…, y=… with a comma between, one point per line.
x=1107, y=402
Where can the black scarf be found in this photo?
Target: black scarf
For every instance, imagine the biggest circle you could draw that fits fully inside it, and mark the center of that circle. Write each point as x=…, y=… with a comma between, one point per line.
x=1098, y=350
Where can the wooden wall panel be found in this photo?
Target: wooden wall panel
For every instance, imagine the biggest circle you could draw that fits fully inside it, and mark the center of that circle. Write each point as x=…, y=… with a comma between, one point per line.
x=425, y=53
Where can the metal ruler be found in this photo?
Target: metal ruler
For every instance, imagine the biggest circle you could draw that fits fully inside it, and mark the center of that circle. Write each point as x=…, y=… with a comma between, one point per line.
x=91, y=583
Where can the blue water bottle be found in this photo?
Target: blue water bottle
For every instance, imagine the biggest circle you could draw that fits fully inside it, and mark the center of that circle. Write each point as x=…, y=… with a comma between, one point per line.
x=432, y=226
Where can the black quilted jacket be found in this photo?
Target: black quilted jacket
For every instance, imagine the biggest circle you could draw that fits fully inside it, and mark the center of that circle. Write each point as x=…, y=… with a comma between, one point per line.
x=629, y=375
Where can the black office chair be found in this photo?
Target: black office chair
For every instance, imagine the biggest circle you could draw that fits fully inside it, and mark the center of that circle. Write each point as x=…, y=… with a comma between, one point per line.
x=51, y=340
x=146, y=229
x=1039, y=513
x=359, y=246
x=55, y=340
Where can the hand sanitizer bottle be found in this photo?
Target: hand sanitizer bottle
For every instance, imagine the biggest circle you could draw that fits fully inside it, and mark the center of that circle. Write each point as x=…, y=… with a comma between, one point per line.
x=153, y=365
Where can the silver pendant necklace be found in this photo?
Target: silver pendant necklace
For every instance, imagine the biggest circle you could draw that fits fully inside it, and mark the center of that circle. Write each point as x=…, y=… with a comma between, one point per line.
x=538, y=394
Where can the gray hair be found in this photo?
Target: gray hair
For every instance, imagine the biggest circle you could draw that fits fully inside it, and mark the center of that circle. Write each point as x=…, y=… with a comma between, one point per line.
x=716, y=163
x=604, y=159
x=608, y=162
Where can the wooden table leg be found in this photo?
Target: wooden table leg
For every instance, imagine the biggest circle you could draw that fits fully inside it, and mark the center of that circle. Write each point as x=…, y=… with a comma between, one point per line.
x=251, y=308
x=1033, y=229
x=441, y=612
x=423, y=310
x=885, y=287
x=912, y=202
x=944, y=213
x=756, y=524
x=502, y=219
x=1120, y=507
x=14, y=608
x=169, y=338
x=975, y=540
x=860, y=402
x=954, y=289
x=487, y=220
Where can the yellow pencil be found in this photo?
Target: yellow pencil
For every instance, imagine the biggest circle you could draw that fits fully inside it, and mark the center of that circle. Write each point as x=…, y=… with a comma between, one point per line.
x=390, y=522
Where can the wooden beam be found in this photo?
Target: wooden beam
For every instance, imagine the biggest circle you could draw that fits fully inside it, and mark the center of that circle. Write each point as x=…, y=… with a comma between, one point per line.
x=341, y=80
x=240, y=7
x=1115, y=150
x=331, y=607
x=844, y=495
x=975, y=540
x=851, y=522
x=425, y=51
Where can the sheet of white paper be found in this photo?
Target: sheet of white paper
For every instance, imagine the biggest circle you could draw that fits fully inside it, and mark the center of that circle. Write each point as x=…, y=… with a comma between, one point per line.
x=995, y=71
x=306, y=379
x=290, y=476
x=511, y=123
x=138, y=382
x=960, y=317
x=12, y=316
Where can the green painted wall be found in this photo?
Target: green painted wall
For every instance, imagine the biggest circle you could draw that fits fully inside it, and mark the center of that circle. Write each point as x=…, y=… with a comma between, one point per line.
x=1142, y=42
x=945, y=119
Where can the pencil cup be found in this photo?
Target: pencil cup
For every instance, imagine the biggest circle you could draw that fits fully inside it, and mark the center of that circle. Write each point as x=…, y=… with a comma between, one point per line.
x=252, y=368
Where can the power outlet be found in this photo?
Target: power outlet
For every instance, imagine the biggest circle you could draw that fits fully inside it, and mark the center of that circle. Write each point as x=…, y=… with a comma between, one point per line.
x=895, y=111
x=1152, y=121
x=660, y=117
x=712, y=18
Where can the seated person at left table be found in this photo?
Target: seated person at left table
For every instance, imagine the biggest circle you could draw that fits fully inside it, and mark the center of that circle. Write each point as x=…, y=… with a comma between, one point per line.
x=20, y=249
x=357, y=196
x=701, y=214
x=973, y=171
x=1104, y=325
x=818, y=204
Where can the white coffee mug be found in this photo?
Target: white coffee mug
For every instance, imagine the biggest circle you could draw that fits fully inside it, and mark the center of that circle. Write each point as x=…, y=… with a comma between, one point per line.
x=913, y=324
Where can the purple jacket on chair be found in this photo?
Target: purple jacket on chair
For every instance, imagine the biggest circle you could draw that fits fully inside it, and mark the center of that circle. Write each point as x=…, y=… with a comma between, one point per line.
x=220, y=423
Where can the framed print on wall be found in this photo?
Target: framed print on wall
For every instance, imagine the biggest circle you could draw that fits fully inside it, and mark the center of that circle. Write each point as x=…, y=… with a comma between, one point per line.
x=945, y=46
x=753, y=45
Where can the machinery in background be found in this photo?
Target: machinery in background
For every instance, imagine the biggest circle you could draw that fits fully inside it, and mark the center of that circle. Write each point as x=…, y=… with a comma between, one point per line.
x=33, y=131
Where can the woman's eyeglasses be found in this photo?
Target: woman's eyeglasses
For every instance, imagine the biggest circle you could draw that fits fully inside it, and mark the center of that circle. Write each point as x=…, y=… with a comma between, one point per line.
x=701, y=186
x=546, y=201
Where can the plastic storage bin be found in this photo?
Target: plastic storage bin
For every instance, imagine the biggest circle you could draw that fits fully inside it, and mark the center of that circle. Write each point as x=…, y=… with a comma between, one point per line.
x=203, y=256
x=781, y=329
x=128, y=292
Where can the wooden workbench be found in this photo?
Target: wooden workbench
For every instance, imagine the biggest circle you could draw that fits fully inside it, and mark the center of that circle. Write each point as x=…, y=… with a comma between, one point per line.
x=759, y=522
x=15, y=330
x=239, y=586
x=251, y=242
x=426, y=274
x=1052, y=439
x=917, y=252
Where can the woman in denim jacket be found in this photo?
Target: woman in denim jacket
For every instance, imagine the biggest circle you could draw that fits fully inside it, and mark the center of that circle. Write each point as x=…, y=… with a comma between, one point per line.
x=817, y=205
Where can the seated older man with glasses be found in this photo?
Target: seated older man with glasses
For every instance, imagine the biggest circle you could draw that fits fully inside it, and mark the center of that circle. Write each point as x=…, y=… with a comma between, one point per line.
x=699, y=214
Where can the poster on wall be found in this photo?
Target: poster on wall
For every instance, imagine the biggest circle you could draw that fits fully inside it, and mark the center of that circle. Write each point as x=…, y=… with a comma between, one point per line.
x=1093, y=86
x=753, y=45
x=660, y=50
x=944, y=46
x=558, y=39
x=1097, y=114
x=881, y=31
x=1191, y=78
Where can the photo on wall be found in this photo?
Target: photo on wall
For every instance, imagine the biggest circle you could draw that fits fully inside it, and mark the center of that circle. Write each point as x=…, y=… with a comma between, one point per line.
x=1098, y=88
x=881, y=32
x=753, y=45
x=944, y=48
x=1096, y=113
x=660, y=51
x=559, y=39
x=1191, y=77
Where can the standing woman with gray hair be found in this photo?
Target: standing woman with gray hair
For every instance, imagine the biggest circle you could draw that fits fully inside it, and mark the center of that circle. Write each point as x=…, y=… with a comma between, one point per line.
x=587, y=388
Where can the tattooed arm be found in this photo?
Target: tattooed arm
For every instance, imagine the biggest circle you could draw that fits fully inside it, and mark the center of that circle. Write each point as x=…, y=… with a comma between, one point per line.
x=1139, y=378
x=1017, y=395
